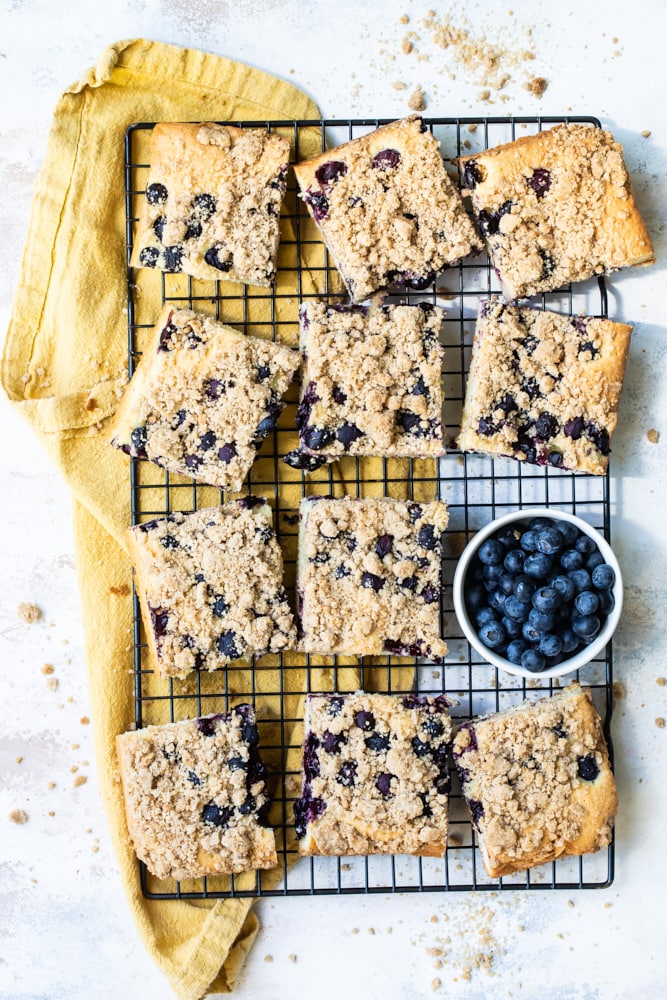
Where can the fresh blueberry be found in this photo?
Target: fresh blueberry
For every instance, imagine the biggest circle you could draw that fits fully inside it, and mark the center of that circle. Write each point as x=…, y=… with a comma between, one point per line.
x=219, y=258
x=506, y=583
x=515, y=650
x=551, y=645
x=217, y=815
x=529, y=541
x=227, y=452
x=603, y=577
x=549, y=541
x=386, y=159
x=485, y=614
x=491, y=551
x=541, y=621
x=606, y=602
x=514, y=561
x=347, y=774
x=227, y=645
x=587, y=767
x=530, y=634
x=383, y=784
x=516, y=609
x=586, y=627
x=524, y=588
x=565, y=587
x=547, y=599
x=533, y=660
x=581, y=579
x=492, y=634
x=330, y=171
x=347, y=433
x=586, y=602
x=571, y=559
x=497, y=600
x=507, y=538
x=491, y=574
x=156, y=194
x=594, y=559
x=512, y=627
x=365, y=720
x=538, y=565
x=585, y=545
x=570, y=640
x=569, y=531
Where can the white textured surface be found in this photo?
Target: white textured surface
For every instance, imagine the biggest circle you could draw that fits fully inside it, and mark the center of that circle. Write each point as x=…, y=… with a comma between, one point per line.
x=65, y=931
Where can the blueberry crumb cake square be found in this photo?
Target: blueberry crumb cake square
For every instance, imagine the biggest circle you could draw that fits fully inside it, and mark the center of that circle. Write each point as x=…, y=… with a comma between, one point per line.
x=538, y=781
x=369, y=576
x=375, y=775
x=544, y=388
x=195, y=796
x=203, y=398
x=210, y=583
x=387, y=210
x=556, y=207
x=372, y=382
x=213, y=202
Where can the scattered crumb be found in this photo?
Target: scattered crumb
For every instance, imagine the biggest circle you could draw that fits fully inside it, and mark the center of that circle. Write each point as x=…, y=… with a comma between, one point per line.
x=268, y=958
x=618, y=689
x=472, y=127
x=416, y=100
x=435, y=985
x=121, y=591
x=84, y=720
x=50, y=784
x=51, y=812
x=95, y=848
x=433, y=918
x=660, y=722
x=570, y=903
x=653, y=436
x=48, y=668
x=646, y=133
x=19, y=760
x=371, y=930
x=345, y=867
x=73, y=769
x=390, y=930
x=75, y=746
x=406, y=46
x=291, y=71
x=536, y=86
x=484, y=95
x=30, y=613
x=292, y=958
x=661, y=681
x=80, y=780
x=466, y=974
x=404, y=19
x=52, y=683
x=18, y=816
x=437, y=964
x=355, y=930
x=399, y=85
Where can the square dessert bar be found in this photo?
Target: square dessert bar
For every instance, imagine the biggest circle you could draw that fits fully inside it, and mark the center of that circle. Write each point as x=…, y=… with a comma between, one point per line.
x=375, y=775
x=556, y=207
x=544, y=388
x=210, y=585
x=369, y=576
x=213, y=202
x=538, y=782
x=387, y=210
x=372, y=380
x=195, y=796
x=203, y=398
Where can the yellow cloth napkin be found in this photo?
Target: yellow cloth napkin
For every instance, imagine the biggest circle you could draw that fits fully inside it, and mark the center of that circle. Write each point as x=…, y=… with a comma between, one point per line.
x=64, y=367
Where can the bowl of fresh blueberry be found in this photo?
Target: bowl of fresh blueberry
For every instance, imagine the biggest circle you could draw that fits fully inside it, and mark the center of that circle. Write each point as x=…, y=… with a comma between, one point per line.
x=538, y=591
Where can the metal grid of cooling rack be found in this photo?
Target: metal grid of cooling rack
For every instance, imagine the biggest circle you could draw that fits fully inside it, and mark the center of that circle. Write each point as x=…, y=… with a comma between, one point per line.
x=476, y=489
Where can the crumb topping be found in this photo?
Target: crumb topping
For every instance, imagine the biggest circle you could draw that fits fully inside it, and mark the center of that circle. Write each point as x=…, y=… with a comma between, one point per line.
x=195, y=796
x=387, y=209
x=211, y=585
x=213, y=202
x=376, y=778
x=537, y=780
x=369, y=577
x=556, y=207
x=544, y=387
x=203, y=398
x=372, y=380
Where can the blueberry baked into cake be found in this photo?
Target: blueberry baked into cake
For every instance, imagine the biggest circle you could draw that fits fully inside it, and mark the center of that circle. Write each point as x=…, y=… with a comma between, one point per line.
x=213, y=202
x=543, y=387
x=210, y=584
x=195, y=796
x=372, y=381
x=556, y=207
x=386, y=208
x=537, y=781
x=369, y=576
x=375, y=775
x=203, y=398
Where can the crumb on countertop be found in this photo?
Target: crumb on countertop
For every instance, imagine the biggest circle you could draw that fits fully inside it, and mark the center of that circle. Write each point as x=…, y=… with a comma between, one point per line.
x=661, y=681
x=660, y=722
x=416, y=100
x=536, y=86
x=646, y=133
x=84, y=720
x=292, y=957
x=399, y=85
x=81, y=779
x=18, y=816
x=653, y=436
x=30, y=613
x=48, y=668
x=618, y=689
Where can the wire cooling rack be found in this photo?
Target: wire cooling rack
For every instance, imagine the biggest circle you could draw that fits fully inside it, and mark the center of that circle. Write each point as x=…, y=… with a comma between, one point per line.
x=476, y=489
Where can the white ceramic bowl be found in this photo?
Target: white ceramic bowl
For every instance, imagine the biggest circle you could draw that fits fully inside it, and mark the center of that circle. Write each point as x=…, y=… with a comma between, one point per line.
x=582, y=656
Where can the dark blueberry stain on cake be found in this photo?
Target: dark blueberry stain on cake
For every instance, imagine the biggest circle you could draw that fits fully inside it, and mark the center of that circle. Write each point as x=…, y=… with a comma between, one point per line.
x=208, y=724
x=598, y=436
x=372, y=582
x=227, y=452
x=433, y=726
x=354, y=201
x=265, y=533
x=347, y=433
x=589, y=346
x=414, y=701
x=335, y=705
x=333, y=742
x=247, y=503
x=420, y=748
x=415, y=512
x=386, y=159
x=472, y=744
x=219, y=258
x=308, y=400
x=338, y=395
x=476, y=811
x=347, y=774
x=430, y=594
x=419, y=388
x=489, y=222
x=531, y=388
x=311, y=762
x=529, y=343
x=574, y=428
x=138, y=439
x=383, y=784
x=179, y=419
x=156, y=194
x=217, y=815
x=149, y=257
x=173, y=257
x=298, y=459
x=227, y=645
x=248, y=806
x=193, y=230
x=316, y=438
x=540, y=181
x=384, y=545
x=158, y=226
x=587, y=767
x=428, y=537
x=207, y=441
x=318, y=202
x=378, y=742
x=404, y=648
x=473, y=174
x=159, y=621
x=214, y=388
x=560, y=731
x=169, y=542
x=427, y=812
x=219, y=607
x=193, y=779
x=341, y=571
x=408, y=582
x=250, y=734
x=364, y=720
x=580, y=323
x=409, y=422
x=320, y=559
x=204, y=206
x=237, y=764
x=263, y=373
x=548, y=264
x=546, y=426
x=351, y=542
x=330, y=171
x=192, y=462
x=306, y=810
x=555, y=458
x=279, y=183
